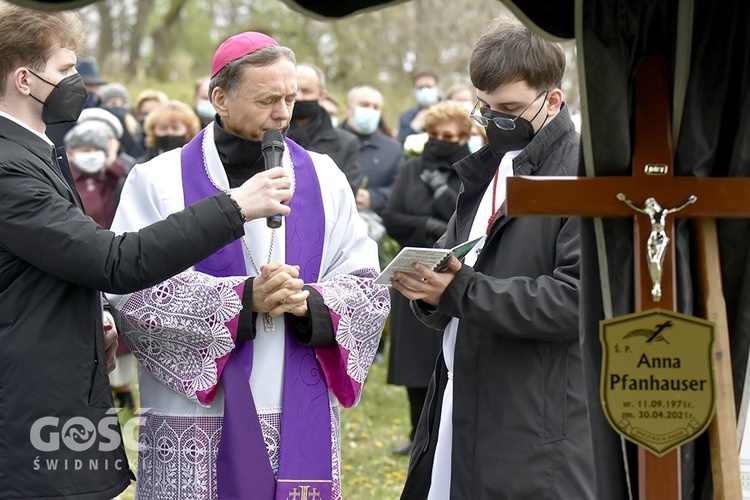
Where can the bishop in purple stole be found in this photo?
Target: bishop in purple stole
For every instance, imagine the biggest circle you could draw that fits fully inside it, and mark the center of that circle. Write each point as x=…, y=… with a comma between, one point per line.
x=243, y=466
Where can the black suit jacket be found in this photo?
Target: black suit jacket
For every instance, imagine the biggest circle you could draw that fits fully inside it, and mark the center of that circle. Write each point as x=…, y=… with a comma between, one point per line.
x=54, y=263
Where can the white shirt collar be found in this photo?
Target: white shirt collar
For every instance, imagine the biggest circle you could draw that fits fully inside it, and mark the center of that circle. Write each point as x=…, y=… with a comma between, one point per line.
x=24, y=125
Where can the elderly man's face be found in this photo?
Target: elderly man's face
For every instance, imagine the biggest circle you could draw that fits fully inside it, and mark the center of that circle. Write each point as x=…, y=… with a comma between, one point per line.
x=263, y=102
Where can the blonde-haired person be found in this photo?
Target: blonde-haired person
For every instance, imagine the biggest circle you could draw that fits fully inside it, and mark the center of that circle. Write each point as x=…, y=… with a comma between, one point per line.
x=147, y=101
x=447, y=114
x=167, y=127
x=417, y=214
x=466, y=96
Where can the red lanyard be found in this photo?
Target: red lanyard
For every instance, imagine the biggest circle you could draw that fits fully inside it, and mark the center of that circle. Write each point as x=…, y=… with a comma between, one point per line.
x=492, y=218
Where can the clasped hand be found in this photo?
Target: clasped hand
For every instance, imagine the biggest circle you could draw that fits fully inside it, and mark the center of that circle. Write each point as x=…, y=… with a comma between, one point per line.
x=278, y=290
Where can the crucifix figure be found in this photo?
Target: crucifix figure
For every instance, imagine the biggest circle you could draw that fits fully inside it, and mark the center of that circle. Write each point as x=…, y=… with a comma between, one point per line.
x=656, y=246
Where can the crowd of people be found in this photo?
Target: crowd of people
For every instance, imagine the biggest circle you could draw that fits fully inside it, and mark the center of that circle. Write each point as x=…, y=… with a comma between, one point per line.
x=146, y=217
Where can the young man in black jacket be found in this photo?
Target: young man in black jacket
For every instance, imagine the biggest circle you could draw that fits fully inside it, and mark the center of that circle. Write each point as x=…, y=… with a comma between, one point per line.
x=506, y=414
x=59, y=436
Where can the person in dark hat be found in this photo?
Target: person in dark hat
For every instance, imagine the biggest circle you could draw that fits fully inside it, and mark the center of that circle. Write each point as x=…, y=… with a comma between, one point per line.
x=89, y=71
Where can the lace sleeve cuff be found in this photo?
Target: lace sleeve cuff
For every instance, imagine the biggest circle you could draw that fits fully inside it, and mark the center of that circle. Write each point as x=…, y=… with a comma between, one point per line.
x=183, y=329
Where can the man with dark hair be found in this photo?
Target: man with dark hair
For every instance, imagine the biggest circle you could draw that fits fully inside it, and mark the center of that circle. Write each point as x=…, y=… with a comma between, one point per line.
x=246, y=358
x=59, y=435
x=506, y=415
x=312, y=129
x=427, y=93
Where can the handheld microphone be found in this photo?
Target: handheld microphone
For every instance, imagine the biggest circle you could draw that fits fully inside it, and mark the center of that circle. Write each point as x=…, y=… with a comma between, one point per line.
x=272, y=148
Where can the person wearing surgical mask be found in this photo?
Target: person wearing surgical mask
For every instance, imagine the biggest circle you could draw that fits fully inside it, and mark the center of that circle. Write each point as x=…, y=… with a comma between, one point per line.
x=168, y=127
x=426, y=93
x=92, y=154
x=203, y=107
x=99, y=174
x=380, y=157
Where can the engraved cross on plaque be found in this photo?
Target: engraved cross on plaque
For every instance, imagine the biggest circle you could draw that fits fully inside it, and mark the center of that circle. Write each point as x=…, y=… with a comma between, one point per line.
x=651, y=187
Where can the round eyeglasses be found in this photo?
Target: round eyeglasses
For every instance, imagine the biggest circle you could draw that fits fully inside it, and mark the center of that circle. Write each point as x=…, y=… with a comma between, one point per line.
x=483, y=119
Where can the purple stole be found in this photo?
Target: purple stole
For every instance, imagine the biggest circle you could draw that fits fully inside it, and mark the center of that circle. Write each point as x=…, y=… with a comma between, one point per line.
x=243, y=466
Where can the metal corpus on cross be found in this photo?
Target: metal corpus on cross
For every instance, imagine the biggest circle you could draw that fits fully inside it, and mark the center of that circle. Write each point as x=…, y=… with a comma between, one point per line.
x=643, y=196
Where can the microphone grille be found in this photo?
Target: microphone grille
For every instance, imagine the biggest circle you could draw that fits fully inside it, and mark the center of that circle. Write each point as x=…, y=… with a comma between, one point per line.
x=272, y=139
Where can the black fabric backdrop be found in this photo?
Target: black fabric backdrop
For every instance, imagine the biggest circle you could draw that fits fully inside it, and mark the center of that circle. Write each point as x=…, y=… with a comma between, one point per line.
x=714, y=140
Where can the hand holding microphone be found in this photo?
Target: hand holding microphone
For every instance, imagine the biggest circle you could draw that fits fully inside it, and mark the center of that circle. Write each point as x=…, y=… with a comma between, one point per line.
x=266, y=194
x=272, y=148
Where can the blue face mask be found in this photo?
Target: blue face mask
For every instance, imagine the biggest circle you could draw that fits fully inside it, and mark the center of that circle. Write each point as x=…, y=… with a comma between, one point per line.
x=426, y=96
x=365, y=120
x=205, y=109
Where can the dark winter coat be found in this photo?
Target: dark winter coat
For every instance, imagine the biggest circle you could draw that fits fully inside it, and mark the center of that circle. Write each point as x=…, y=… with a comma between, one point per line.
x=59, y=437
x=414, y=346
x=404, y=123
x=341, y=145
x=520, y=428
x=381, y=159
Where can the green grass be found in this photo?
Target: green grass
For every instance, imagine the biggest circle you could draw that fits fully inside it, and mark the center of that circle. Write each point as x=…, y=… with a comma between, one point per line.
x=368, y=431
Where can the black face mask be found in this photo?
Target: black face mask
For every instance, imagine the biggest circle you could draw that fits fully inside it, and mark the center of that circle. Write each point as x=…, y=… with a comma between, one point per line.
x=169, y=142
x=118, y=111
x=436, y=150
x=305, y=109
x=66, y=101
x=502, y=141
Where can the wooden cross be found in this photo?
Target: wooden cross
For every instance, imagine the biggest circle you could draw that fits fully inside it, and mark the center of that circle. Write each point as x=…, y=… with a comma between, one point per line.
x=659, y=478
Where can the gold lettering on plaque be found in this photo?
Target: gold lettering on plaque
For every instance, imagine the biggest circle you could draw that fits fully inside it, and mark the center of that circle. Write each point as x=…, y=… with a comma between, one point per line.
x=657, y=385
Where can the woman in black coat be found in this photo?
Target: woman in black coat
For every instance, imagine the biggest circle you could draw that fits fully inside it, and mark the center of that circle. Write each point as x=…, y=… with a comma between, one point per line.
x=421, y=203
